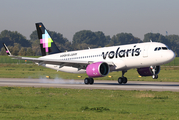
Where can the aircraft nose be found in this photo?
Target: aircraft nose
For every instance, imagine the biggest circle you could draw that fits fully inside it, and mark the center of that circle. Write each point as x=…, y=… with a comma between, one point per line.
x=171, y=56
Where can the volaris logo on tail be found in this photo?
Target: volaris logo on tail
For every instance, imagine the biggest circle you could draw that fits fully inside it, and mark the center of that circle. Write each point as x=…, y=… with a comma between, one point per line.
x=46, y=41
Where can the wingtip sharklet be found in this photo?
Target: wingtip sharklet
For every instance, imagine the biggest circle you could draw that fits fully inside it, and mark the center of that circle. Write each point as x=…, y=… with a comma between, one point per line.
x=7, y=50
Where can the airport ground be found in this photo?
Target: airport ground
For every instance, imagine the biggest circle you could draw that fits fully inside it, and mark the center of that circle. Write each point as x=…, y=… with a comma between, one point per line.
x=33, y=101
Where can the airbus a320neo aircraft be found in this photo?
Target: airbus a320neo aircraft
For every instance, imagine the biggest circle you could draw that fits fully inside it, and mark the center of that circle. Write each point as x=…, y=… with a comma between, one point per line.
x=98, y=62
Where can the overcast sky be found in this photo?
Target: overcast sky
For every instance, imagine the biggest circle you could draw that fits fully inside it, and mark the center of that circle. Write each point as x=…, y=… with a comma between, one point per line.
x=109, y=16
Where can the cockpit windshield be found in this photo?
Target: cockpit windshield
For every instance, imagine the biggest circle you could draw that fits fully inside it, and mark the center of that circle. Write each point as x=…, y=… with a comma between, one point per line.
x=164, y=48
x=160, y=48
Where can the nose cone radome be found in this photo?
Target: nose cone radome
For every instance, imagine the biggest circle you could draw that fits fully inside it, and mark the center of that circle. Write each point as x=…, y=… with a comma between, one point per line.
x=170, y=56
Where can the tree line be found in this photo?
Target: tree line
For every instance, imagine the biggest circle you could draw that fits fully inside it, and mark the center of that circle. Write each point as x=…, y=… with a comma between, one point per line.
x=19, y=45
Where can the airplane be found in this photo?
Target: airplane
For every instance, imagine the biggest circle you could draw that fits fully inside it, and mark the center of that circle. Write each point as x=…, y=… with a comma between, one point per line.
x=98, y=62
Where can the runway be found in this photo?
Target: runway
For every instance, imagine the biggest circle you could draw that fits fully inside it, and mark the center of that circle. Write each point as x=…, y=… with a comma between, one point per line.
x=98, y=84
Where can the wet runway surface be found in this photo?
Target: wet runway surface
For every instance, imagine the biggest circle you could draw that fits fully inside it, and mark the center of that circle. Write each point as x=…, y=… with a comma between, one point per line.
x=98, y=84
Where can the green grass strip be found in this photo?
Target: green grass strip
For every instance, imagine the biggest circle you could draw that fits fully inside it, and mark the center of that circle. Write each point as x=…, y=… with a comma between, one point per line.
x=77, y=104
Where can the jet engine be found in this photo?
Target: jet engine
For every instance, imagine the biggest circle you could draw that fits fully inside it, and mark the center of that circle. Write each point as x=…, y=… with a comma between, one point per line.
x=148, y=71
x=98, y=69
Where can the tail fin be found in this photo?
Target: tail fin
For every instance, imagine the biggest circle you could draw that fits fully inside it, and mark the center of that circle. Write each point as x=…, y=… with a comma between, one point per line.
x=47, y=45
x=7, y=50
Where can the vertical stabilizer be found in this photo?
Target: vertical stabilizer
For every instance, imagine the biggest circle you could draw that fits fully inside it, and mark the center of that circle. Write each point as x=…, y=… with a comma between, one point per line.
x=47, y=45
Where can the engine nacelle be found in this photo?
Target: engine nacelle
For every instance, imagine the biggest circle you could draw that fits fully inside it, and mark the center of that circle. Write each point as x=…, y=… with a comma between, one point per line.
x=98, y=69
x=148, y=71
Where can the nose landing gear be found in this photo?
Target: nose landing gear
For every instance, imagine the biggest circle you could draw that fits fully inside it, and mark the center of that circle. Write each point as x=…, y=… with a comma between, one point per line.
x=154, y=69
x=155, y=76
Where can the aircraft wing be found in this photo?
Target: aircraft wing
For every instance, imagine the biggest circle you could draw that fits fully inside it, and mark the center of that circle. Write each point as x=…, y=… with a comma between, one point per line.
x=73, y=63
x=40, y=61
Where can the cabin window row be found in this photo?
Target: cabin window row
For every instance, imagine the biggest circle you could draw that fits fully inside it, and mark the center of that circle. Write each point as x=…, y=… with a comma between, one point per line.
x=82, y=57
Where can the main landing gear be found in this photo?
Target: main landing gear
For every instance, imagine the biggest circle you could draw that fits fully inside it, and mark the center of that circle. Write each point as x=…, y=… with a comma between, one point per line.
x=89, y=81
x=122, y=79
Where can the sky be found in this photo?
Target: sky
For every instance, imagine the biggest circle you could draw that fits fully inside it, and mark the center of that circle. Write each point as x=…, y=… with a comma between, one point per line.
x=109, y=16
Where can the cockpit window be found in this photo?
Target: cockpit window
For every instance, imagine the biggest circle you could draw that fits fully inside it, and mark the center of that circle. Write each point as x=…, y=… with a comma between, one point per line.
x=155, y=49
x=159, y=48
x=164, y=48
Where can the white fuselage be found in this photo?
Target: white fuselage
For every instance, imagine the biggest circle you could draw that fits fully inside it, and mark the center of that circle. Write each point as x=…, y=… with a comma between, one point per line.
x=124, y=57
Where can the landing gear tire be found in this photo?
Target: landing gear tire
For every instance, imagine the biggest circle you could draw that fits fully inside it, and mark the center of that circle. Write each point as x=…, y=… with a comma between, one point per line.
x=155, y=76
x=120, y=80
x=88, y=81
x=91, y=81
x=124, y=80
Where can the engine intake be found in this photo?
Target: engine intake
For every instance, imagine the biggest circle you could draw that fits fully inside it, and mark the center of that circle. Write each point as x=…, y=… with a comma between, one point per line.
x=147, y=71
x=98, y=69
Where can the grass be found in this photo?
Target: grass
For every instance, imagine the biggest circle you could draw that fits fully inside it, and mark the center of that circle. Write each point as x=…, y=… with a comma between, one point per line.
x=56, y=103
x=7, y=59
x=167, y=74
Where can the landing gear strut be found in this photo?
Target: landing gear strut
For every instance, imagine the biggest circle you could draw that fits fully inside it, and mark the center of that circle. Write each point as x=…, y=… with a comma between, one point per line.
x=122, y=79
x=88, y=81
x=154, y=76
